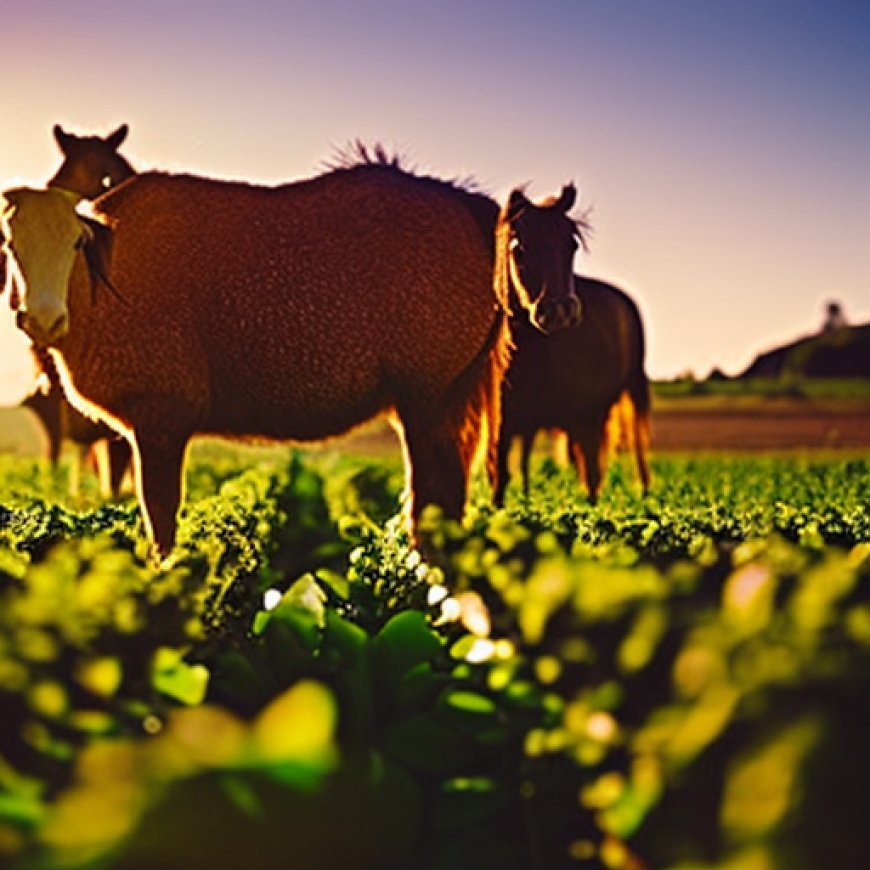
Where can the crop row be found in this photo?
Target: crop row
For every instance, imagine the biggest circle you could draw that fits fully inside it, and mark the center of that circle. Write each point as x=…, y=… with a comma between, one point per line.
x=676, y=680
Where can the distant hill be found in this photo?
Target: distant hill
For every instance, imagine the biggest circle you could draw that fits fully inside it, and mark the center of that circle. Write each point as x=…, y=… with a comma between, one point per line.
x=843, y=352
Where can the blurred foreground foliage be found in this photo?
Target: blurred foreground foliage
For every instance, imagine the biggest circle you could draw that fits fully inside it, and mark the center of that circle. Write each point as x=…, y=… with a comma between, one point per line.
x=673, y=682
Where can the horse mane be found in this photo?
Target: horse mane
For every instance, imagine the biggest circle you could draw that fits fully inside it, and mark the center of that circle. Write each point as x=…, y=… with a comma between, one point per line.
x=98, y=256
x=501, y=281
x=358, y=156
x=583, y=230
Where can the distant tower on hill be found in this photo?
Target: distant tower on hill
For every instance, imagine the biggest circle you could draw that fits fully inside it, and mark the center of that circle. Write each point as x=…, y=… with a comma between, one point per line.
x=834, y=317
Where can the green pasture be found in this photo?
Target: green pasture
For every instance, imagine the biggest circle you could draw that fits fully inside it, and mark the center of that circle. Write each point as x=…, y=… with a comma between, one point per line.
x=676, y=681
x=748, y=391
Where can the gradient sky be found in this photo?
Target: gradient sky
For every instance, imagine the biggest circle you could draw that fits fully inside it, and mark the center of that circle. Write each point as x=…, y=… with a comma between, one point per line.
x=724, y=146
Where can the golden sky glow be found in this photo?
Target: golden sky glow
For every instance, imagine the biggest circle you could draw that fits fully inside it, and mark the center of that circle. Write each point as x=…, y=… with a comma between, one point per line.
x=723, y=147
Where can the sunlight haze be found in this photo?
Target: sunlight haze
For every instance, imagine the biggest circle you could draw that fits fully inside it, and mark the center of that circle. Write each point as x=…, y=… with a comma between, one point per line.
x=722, y=147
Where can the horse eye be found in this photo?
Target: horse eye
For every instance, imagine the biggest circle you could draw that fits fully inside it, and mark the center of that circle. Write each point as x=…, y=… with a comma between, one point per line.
x=106, y=182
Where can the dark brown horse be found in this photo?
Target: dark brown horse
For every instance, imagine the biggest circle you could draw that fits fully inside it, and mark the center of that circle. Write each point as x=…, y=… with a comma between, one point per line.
x=574, y=380
x=294, y=312
x=91, y=165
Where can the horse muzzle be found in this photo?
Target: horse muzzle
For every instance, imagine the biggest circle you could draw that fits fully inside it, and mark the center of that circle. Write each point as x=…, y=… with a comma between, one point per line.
x=553, y=315
x=58, y=326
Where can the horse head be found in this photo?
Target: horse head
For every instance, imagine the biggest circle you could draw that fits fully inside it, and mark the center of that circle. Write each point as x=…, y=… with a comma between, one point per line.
x=535, y=247
x=42, y=235
x=91, y=164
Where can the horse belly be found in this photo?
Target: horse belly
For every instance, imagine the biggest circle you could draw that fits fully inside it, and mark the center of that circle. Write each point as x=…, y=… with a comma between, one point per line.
x=288, y=383
x=556, y=382
x=327, y=363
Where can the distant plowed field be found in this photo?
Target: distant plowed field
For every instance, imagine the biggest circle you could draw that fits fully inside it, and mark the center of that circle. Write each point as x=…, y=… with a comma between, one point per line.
x=763, y=425
x=701, y=423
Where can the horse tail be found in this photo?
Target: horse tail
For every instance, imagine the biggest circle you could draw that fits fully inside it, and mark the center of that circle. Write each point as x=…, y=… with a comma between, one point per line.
x=626, y=427
x=639, y=395
x=637, y=391
x=640, y=399
x=616, y=433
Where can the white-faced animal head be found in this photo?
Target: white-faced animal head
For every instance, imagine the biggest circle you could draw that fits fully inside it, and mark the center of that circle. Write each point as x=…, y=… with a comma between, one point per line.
x=41, y=234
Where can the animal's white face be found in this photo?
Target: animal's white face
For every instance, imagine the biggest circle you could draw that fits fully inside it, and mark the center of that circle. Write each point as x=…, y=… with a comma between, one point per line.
x=41, y=235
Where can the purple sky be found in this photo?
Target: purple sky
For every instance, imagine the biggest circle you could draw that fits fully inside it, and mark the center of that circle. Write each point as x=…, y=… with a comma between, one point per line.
x=724, y=146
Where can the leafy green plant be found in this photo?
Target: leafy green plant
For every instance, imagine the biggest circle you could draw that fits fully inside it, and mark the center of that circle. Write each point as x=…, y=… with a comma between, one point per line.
x=672, y=681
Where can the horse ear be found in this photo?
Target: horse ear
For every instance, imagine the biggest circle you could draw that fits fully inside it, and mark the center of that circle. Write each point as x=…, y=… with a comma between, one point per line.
x=64, y=140
x=517, y=201
x=9, y=200
x=113, y=140
x=567, y=198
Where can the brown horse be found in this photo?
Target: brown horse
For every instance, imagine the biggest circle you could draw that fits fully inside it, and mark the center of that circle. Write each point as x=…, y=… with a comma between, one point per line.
x=294, y=312
x=91, y=165
x=575, y=379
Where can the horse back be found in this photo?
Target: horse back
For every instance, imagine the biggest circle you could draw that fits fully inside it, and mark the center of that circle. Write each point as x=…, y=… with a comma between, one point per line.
x=299, y=310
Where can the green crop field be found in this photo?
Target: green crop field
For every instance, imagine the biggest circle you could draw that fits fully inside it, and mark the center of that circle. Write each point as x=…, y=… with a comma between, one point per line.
x=679, y=681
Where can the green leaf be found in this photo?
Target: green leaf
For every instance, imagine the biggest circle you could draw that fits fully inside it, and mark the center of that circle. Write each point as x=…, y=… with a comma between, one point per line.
x=343, y=637
x=175, y=678
x=426, y=745
x=297, y=727
x=465, y=802
x=404, y=642
x=302, y=609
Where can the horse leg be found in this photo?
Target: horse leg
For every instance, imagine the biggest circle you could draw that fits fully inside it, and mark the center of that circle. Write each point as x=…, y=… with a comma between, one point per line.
x=639, y=393
x=55, y=442
x=559, y=446
x=79, y=459
x=527, y=440
x=576, y=452
x=503, y=472
x=98, y=453
x=119, y=462
x=436, y=472
x=55, y=424
x=641, y=449
x=158, y=461
x=588, y=448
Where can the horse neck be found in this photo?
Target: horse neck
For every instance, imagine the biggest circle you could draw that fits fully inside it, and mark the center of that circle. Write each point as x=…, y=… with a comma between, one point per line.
x=83, y=313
